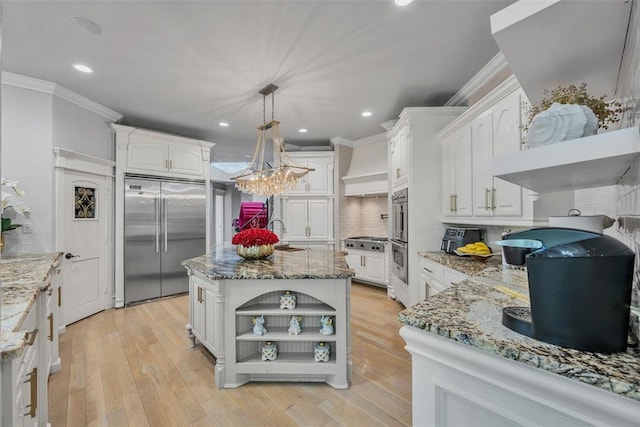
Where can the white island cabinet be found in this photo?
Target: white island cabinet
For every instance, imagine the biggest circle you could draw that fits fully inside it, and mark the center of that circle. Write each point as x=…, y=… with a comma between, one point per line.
x=227, y=293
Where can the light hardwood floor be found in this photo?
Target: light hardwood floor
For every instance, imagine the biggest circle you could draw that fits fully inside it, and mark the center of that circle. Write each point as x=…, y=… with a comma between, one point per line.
x=134, y=367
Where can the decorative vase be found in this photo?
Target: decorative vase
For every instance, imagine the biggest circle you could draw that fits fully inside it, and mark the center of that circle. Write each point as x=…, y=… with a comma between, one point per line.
x=321, y=352
x=561, y=122
x=254, y=252
x=288, y=300
x=269, y=351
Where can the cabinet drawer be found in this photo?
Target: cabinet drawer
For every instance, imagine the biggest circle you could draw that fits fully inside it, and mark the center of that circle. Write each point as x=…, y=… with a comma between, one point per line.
x=432, y=270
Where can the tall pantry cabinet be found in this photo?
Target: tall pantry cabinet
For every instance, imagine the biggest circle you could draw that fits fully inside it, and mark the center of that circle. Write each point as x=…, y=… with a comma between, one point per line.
x=307, y=209
x=415, y=163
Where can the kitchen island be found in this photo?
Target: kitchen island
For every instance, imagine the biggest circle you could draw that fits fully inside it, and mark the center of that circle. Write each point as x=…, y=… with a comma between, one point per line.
x=227, y=293
x=468, y=369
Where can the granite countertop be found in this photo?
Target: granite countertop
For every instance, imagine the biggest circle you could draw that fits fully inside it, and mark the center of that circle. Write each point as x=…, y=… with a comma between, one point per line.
x=467, y=265
x=22, y=278
x=471, y=313
x=303, y=264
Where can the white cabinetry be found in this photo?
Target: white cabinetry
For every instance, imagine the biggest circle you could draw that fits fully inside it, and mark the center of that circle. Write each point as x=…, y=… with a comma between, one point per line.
x=144, y=152
x=419, y=161
x=307, y=219
x=307, y=211
x=368, y=265
x=491, y=127
x=320, y=180
x=435, y=277
x=496, y=132
x=457, y=385
x=399, y=154
x=456, y=177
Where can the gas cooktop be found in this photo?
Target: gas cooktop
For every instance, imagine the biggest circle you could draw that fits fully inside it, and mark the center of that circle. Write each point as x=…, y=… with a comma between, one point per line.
x=366, y=243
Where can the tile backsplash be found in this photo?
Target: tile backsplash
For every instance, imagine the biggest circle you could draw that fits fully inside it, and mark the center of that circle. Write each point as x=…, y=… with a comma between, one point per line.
x=627, y=195
x=360, y=216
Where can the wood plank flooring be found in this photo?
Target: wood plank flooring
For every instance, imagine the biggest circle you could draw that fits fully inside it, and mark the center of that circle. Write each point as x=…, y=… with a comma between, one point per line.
x=134, y=367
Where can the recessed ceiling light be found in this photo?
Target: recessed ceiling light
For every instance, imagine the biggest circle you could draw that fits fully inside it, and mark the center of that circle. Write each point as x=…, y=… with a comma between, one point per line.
x=401, y=2
x=85, y=24
x=366, y=114
x=224, y=124
x=302, y=130
x=83, y=68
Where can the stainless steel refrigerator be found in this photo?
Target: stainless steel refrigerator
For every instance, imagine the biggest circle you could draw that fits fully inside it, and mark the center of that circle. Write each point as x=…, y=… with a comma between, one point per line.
x=164, y=224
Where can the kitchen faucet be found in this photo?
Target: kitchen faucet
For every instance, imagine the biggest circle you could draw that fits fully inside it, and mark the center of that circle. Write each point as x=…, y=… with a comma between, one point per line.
x=284, y=229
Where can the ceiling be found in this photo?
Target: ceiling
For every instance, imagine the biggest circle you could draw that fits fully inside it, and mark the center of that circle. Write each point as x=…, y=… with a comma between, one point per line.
x=184, y=66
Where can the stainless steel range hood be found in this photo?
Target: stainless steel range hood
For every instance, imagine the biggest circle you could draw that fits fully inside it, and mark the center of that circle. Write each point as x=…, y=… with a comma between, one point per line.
x=367, y=174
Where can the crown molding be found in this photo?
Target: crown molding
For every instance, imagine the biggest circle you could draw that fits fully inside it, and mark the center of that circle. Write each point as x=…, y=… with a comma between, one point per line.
x=338, y=140
x=44, y=86
x=496, y=65
x=379, y=137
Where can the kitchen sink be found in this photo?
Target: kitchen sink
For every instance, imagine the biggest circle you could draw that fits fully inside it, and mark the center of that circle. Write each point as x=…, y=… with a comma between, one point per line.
x=287, y=248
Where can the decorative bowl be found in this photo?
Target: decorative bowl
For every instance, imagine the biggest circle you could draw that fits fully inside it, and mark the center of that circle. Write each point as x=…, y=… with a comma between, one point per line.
x=254, y=252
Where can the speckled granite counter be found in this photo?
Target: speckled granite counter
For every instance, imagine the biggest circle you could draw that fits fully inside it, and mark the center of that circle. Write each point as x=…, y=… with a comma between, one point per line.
x=22, y=278
x=471, y=314
x=466, y=265
x=302, y=264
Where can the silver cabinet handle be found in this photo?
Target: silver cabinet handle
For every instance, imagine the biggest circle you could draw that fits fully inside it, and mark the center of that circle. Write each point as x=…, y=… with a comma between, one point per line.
x=425, y=268
x=455, y=203
x=493, y=199
x=170, y=164
x=486, y=199
x=450, y=202
x=31, y=337
x=50, y=319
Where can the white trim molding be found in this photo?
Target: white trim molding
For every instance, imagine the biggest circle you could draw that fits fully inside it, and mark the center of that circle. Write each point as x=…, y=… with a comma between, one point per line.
x=495, y=66
x=38, y=85
x=71, y=160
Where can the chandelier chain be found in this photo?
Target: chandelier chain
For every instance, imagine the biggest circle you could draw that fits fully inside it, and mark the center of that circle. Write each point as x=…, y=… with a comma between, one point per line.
x=273, y=104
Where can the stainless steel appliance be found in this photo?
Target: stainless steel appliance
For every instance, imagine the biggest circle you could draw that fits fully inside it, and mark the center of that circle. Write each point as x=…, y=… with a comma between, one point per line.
x=457, y=237
x=400, y=220
x=399, y=260
x=579, y=287
x=366, y=243
x=164, y=224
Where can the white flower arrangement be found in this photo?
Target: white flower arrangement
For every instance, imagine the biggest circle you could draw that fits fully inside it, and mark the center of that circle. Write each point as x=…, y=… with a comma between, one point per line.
x=12, y=199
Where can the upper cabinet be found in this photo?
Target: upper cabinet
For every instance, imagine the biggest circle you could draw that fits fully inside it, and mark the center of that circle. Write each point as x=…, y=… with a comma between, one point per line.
x=399, y=151
x=152, y=153
x=318, y=182
x=456, y=174
x=488, y=130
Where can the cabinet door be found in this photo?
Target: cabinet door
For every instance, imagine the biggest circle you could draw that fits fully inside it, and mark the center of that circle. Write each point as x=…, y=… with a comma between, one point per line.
x=374, y=267
x=507, y=200
x=355, y=262
x=400, y=158
x=198, y=306
x=448, y=175
x=320, y=181
x=295, y=217
x=482, y=153
x=209, y=320
x=185, y=160
x=320, y=217
x=463, y=189
x=147, y=156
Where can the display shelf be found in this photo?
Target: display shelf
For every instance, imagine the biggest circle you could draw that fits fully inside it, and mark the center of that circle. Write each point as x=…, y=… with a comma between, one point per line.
x=553, y=42
x=268, y=309
x=282, y=334
x=282, y=365
x=593, y=161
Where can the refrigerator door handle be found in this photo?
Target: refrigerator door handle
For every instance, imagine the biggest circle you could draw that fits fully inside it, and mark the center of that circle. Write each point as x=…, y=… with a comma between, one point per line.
x=156, y=205
x=165, y=224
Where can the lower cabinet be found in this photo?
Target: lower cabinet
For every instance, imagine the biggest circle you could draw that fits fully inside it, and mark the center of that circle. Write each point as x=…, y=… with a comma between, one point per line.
x=307, y=219
x=435, y=278
x=457, y=385
x=368, y=266
x=203, y=325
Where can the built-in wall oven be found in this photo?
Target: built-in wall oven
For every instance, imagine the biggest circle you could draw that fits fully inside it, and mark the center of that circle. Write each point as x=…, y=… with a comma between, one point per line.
x=399, y=259
x=399, y=211
x=399, y=233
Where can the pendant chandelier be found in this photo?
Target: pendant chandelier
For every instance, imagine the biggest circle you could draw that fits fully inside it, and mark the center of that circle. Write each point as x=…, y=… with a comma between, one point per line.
x=270, y=181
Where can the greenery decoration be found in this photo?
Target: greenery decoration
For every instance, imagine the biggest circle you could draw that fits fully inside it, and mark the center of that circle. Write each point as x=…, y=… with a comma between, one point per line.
x=607, y=112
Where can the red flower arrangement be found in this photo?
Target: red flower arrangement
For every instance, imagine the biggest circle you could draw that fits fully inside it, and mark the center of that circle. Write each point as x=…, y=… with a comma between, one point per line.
x=255, y=237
